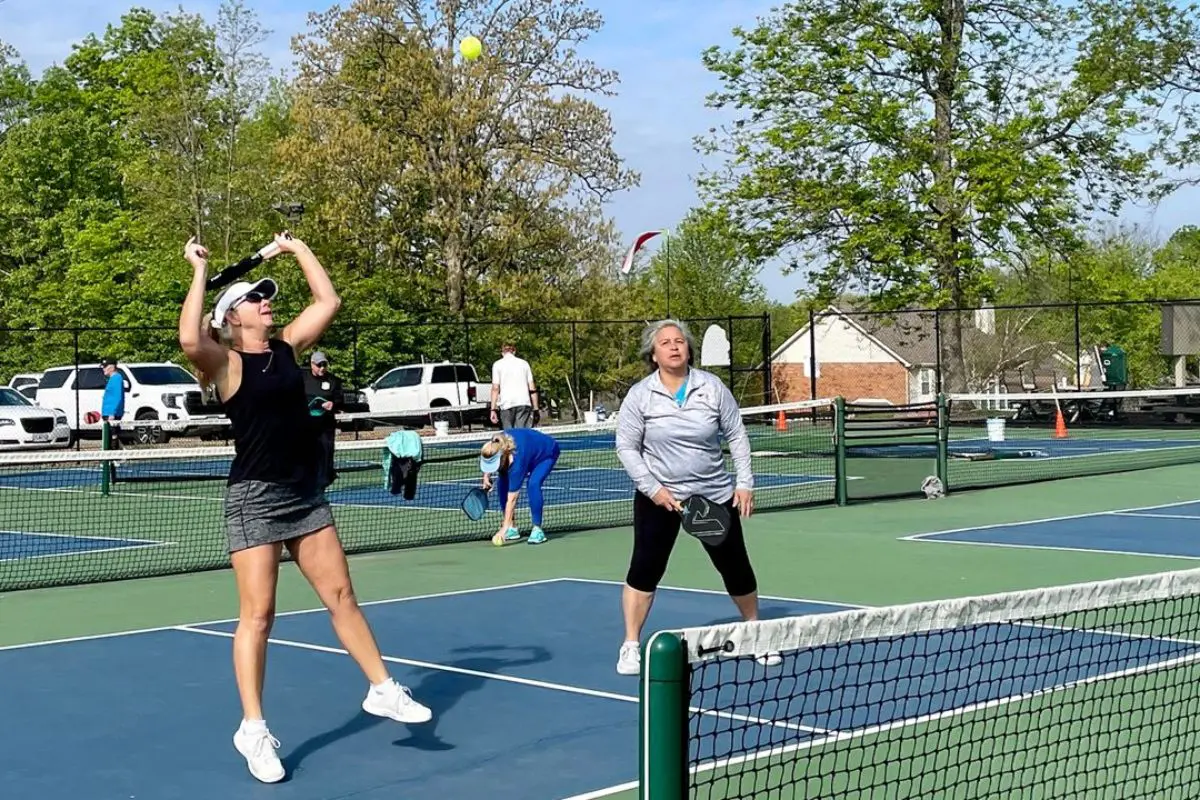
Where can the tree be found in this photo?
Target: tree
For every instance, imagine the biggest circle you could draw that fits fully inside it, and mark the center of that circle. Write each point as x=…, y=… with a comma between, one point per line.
x=450, y=165
x=906, y=147
x=709, y=277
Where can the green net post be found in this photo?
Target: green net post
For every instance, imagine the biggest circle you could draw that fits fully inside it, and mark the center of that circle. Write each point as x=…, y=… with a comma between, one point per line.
x=105, y=444
x=663, y=750
x=839, y=451
x=943, y=447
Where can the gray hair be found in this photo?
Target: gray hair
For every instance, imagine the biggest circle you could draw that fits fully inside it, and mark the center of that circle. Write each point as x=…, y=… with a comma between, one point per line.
x=650, y=333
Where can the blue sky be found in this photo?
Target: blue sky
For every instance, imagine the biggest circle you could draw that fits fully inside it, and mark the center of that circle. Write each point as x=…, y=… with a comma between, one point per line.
x=654, y=45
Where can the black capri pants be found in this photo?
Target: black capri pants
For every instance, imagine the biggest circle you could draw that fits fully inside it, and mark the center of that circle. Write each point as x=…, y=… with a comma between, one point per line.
x=655, y=530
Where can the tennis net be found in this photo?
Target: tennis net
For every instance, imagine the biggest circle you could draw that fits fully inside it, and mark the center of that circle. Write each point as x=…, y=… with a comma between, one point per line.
x=84, y=516
x=1002, y=439
x=1089, y=690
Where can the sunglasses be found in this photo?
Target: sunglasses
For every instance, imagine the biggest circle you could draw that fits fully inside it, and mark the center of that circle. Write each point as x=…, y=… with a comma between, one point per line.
x=252, y=297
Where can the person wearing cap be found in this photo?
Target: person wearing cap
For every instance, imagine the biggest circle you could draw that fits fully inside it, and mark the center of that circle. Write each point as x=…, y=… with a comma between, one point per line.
x=325, y=399
x=273, y=492
x=512, y=457
x=112, y=405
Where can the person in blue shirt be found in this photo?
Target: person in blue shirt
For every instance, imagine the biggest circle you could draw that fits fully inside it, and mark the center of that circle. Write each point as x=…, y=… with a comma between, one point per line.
x=112, y=407
x=513, y=456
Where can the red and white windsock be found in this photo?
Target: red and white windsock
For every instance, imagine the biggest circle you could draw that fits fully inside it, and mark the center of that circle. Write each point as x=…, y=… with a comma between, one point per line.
x=627, y=264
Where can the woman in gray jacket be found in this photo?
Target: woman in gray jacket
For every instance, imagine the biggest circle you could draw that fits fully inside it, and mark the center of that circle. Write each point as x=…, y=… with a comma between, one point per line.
x=669, y=433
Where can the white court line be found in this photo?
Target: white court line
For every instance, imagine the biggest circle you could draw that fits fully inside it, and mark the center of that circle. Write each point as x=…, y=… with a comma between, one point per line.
x=138, y=631
x=1146, y=515
x=1060, y=549
x=496, y=676
x=934, y=536
x=776, y=598
x=1099, y=633
x=916, y=537
x=135, y=544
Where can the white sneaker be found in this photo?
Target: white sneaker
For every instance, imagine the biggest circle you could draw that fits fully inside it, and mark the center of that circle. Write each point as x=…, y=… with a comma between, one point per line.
x=259, y=750
x=629, y=662
x=395, y=702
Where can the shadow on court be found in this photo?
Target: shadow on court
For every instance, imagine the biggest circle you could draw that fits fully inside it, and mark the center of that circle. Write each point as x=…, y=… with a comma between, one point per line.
x=442, y=690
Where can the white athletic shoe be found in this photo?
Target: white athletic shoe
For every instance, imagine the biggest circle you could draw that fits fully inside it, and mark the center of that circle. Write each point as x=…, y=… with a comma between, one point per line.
x=770, y=660
x=259, y=750
x=629, y=662
x=394, y=701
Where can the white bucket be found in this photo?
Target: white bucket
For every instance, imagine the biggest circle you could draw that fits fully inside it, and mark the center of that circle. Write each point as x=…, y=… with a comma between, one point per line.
x=590, y=417
x=995, y=429
x=441, y=427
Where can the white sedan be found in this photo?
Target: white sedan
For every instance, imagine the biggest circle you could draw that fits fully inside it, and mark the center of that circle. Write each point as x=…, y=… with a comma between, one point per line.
x=26, y=426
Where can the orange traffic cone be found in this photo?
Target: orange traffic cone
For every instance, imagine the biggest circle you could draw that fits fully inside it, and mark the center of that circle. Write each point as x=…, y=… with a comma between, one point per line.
x=1060, y=425
x=780, y=421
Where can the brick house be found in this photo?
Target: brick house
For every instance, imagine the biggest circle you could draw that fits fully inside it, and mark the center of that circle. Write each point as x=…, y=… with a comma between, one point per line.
x=867, y=358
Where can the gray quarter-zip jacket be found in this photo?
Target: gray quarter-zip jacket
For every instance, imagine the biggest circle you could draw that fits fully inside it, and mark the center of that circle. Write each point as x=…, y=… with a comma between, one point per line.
x=663, y=444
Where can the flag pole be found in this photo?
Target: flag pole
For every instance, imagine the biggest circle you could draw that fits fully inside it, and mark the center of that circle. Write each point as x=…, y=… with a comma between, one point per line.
x=667, y=235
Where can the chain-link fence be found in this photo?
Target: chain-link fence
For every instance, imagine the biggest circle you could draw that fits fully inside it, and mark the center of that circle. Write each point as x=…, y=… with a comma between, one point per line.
x=389, y=368
x=906, y=357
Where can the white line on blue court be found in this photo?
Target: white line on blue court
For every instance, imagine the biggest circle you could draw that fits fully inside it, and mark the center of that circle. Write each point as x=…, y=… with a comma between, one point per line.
x=1148, y=515
x=496, y=676
x=940, y=537
x=135, y=544
x=916, y=537
x=160, y=628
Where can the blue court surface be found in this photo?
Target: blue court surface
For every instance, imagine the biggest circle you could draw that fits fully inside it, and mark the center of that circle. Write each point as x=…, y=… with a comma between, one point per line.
x=562, y=488
x=567, y=486
x=1167, y=530
x=1024, y=447
x=527, y=703
x=15, y=545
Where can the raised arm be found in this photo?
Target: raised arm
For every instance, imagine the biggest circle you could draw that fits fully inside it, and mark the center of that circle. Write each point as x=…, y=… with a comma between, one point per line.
x=195, y=333
x=308, y=327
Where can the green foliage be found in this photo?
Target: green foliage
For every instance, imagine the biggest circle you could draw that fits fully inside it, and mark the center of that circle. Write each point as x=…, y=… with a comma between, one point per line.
x=436, y=190
x=906, y=149
x=1117, y=279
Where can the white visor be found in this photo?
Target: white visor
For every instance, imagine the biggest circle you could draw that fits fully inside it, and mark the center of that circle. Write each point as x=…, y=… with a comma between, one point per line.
x=236, y=293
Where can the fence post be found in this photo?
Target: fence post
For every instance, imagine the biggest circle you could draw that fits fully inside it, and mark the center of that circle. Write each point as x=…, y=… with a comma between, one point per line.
x=768, y=376
x=812, y=355
x=839, y=450
x=943, y=446
x=663, y=739
x=105, y=465
x=574, y=370
x=467, y=336
x=354, y=355
x=937, y=346
x=1078, y=351
x=78, y=432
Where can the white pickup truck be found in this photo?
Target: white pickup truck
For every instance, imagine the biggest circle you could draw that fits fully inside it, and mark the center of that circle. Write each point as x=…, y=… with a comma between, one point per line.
x=413, y=389
x=153, y=391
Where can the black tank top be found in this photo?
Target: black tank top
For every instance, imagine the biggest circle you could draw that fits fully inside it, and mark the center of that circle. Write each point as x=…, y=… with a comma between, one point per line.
x=274, y=438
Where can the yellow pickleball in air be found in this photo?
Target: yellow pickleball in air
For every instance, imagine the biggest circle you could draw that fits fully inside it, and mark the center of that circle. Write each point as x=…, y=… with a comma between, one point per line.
x=470, y=47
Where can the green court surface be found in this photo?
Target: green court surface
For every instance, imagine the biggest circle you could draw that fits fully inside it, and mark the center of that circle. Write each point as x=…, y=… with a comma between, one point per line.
x=851, y=555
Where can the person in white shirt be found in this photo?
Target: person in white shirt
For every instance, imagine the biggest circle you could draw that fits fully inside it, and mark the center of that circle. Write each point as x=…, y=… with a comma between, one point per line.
x=514, y=394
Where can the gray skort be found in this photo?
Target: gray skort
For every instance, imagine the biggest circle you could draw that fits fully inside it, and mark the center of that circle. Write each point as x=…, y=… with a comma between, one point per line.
x=258, y=512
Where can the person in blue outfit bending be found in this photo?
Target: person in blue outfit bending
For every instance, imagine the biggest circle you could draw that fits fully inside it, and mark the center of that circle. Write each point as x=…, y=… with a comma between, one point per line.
x=513, y=456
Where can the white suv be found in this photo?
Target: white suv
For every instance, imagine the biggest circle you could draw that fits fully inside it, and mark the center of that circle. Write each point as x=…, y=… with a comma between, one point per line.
x=416, y=388
x=153, y=391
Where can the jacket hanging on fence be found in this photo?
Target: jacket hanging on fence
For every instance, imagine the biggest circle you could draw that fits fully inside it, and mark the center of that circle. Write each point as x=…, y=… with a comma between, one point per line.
x=402, y=457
